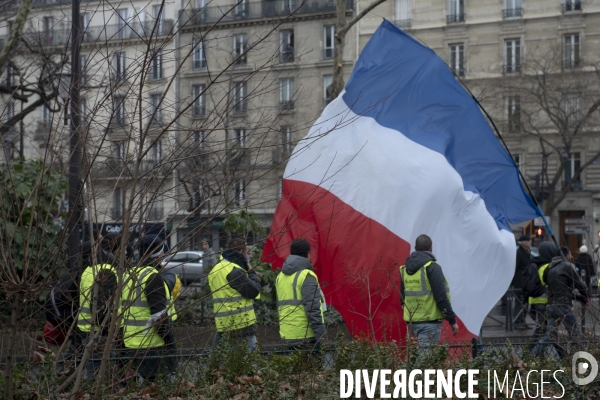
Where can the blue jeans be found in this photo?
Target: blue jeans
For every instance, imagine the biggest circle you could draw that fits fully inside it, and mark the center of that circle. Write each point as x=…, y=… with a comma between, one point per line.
x=428, y=335
x=538, y=314
x=562, y=314
x=251, y=341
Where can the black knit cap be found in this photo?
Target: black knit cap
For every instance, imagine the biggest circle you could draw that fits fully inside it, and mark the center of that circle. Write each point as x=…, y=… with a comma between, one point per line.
x=150, y=244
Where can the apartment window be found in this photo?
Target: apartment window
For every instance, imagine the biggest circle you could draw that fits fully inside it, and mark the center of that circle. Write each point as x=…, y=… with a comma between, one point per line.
x=9, y=111
x=118, y=153
x=571, y=51
x=199, y=138
x=571, y=107
x=457, y=58
x=240, y=46
x=156, y=152
x=328, y=43
x=573, y=163
x=84, y=21
x=513, y=114
x=199, y=55
x=117, y=208
x=122, y=28
x=199, y=105
x=286, y=46
x=239, y=97
x=82, y=69
x=119, y=110
x=239, y=192
x=512, y=9
x=156, y=211
x=285, y=140
x=571, y=5
x=119, y=66
x=10, y=76
x=403, y=14
x=158, y=12
x=156, y=66
x=241, y=9
x=46, y=115
x=156, y=108
x=239, y=137
x=286, y=94
x=512, y=56
x=327, y=79
x=83, y=110
x=517, y=160
x=48, y=26
x=456, y=11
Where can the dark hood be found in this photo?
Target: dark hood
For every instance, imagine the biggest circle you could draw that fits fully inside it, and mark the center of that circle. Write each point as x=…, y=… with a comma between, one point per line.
x=416, y=260
x=547, y=251
x=236, y=257
x=294, y=264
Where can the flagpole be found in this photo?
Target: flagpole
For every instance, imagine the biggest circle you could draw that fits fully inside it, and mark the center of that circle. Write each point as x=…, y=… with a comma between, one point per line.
x=538, y=209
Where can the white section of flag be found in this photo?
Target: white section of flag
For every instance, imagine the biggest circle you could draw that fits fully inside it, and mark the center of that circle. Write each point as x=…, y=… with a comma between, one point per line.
x=411, y=190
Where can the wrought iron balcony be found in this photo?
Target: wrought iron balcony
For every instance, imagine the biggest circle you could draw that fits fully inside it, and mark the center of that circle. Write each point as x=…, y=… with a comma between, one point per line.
x=255, y=10
x=512, y=12
x=571, y=63
x=135, y=30
x=453, y=18
x=403, y=23
x=510, y=69
x=286, y=106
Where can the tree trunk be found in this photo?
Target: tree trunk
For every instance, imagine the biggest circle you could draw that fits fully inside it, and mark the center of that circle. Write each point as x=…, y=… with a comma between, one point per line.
x=10, y=360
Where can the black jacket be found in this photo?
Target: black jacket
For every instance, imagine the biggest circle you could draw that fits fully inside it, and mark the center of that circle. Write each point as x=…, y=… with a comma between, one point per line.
x=548, y=251
x=562, y=280
x=436, y=279
x=523, y=260
x=311, y=293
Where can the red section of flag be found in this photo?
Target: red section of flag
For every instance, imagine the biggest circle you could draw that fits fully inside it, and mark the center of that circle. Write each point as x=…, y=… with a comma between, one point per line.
x=356, y=258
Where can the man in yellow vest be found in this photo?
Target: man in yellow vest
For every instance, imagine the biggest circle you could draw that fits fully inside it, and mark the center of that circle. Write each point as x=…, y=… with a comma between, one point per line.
x=299, y=300
x=425, y=295
x=538, y=305
x=149, y=313
x=97, y=285
x=234, y=284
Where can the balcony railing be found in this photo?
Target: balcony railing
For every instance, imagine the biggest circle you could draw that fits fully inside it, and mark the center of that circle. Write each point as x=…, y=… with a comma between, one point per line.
x=403, y=23
x=115, y=168
x=453, y=18
x=512, y=13
x=570, y=63
x=509, y=69
x=287, y=105
x=135, y=30
x=256, y=10
x=572, y=5
x=156, y=213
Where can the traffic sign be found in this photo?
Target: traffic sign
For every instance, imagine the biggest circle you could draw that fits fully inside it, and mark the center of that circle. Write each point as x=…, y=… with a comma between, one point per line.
x=577, y=229
x=540, y=222
x=580, y=221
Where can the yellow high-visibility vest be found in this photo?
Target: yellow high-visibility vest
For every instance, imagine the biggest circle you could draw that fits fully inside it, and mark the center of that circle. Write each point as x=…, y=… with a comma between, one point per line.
x=419, y=303
x=293, y=321
x=86, y=286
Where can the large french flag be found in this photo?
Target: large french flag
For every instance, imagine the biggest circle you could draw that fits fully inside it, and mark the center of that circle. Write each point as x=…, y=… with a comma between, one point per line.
x=403, y=151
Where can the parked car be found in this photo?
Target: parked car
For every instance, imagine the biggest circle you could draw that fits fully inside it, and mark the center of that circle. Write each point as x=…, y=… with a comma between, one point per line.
x=186, y=264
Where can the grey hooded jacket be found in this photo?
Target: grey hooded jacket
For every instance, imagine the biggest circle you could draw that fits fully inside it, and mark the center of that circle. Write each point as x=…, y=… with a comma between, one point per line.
x=311, y=293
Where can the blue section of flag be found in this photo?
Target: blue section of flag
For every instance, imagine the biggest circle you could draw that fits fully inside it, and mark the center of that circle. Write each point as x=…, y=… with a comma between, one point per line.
x=405, y=86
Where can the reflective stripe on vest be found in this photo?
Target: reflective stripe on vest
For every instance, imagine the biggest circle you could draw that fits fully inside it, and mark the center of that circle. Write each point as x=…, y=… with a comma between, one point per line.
x=86, y=291
x=232, y=310
x=419, y=302
x=293, y=321
x=543, y=299
x=138, y=329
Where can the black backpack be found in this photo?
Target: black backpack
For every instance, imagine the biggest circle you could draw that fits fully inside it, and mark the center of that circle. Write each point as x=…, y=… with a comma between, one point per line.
x=532, y=285
x=61, y=303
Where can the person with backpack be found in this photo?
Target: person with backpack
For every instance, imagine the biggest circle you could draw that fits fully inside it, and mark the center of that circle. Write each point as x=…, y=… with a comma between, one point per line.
x=535, y=288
